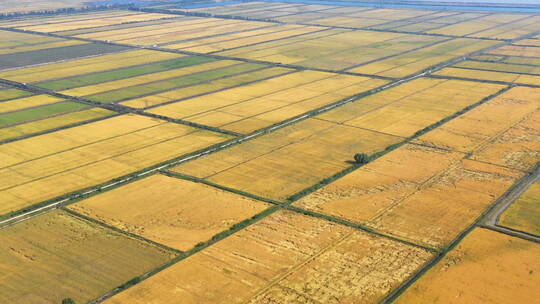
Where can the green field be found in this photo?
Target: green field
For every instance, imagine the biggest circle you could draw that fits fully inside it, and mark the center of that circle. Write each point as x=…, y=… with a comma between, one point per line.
x=39, y=112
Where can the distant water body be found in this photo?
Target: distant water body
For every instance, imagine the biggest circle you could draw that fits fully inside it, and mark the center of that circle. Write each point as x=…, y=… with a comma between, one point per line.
x=478, y=7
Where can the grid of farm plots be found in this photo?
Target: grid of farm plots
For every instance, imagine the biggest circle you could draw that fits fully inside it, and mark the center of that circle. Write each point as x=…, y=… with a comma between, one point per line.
x=207, y=154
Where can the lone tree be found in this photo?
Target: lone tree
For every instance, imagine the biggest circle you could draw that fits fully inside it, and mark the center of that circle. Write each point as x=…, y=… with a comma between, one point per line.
x=361, y=158
x=68, y=301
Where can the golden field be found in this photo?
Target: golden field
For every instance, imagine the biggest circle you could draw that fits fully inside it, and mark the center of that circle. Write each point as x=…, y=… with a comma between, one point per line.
x=473, y=129
x=523, y=214
x=170, y=211
x=486, y=267
x=503, y=131
x=412, y=106
x=250, y=107
x=56, y=256
x=285, y=258
x=279, y=164
x=90, y=154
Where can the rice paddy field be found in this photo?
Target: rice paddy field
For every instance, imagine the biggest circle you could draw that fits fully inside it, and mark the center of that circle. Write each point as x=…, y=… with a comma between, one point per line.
x=268, y=152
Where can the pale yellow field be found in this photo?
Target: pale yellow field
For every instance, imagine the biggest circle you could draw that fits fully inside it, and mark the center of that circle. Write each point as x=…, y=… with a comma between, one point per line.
x=416, y=61
x=97, y=22
x=86, y=65
x=281, y=163
x=486, y=267
x=477, y=127
x=490, y=75
x=285, y=258
x=234, y=40
x=179, y=29
x=410, y=107
x=182, y=213
x=53, y=122
x=56, y=256
x=477, y=25
x=514, y=50
x=335, y=49
x=512, y=30
x=251, y=107
x=87, y=155
x=29, y=20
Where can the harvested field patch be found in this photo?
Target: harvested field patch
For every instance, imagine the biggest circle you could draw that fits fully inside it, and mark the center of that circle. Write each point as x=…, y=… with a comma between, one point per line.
x=181, y=213
x=56, y=256
x=524, y=213
x=279, y=164
x=486, y=267
x=285, y=257
x=518, y=147
x=430, y=205
x=448, y=204
x=477, y=127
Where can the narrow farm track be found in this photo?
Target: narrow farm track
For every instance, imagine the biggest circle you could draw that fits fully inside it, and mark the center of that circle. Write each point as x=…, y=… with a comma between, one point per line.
x=491, y=220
